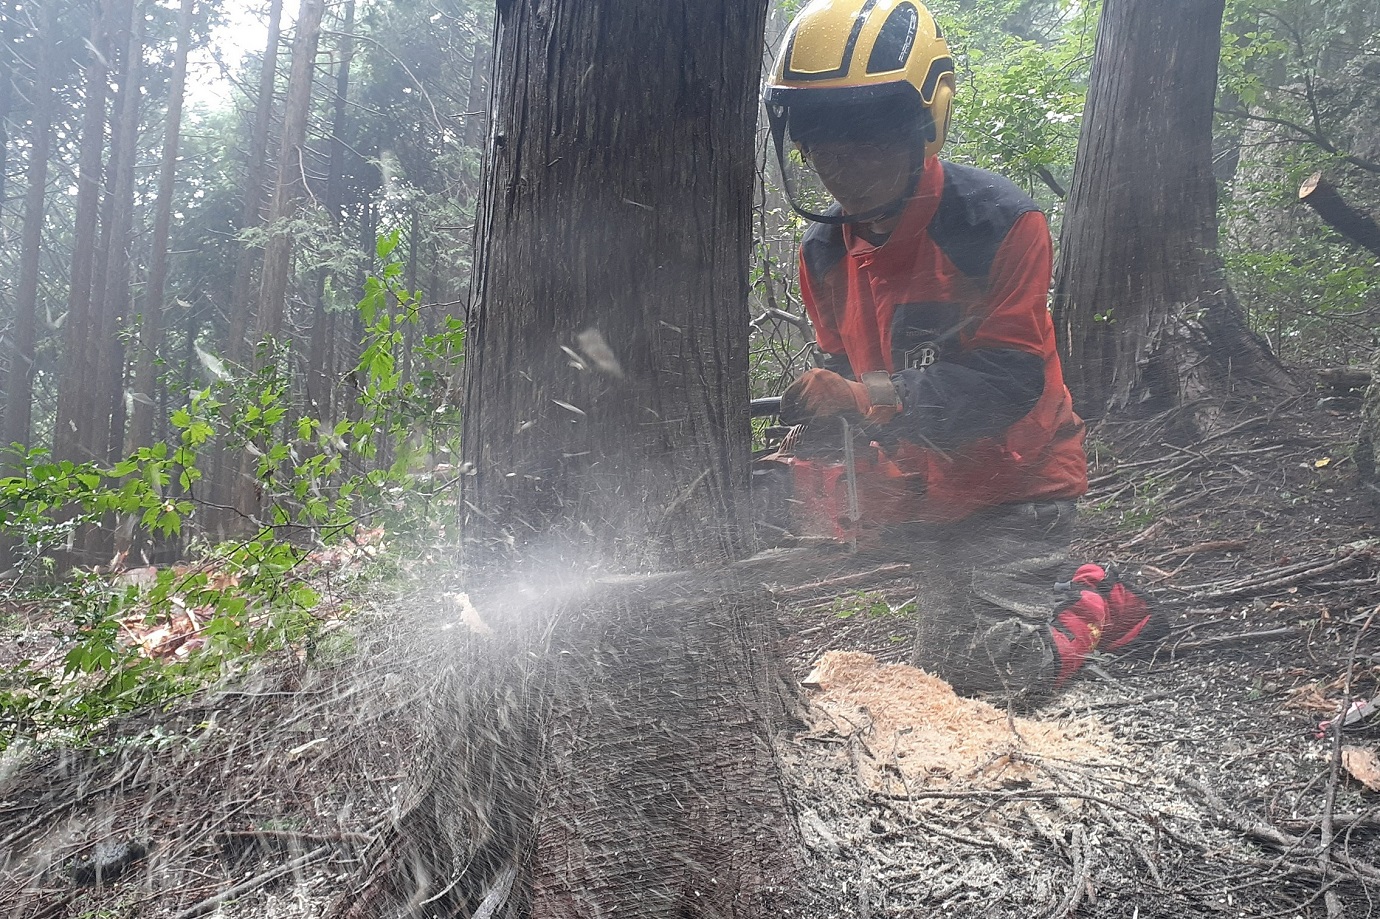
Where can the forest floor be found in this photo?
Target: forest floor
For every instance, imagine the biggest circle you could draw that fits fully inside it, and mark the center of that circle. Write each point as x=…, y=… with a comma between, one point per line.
x=1191, y=780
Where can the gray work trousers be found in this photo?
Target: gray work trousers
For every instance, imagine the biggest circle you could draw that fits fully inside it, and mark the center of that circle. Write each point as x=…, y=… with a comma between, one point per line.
x=986, y=596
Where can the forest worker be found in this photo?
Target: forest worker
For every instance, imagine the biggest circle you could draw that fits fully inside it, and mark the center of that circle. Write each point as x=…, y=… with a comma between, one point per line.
x=926, y=283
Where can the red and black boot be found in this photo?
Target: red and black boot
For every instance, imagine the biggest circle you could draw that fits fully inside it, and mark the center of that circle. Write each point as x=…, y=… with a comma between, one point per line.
x=1076, y=632
x=1107, y=615
x=1129, y=616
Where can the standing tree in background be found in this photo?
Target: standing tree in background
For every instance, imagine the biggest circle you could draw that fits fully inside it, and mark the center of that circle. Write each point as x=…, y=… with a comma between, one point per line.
x=610, y=753
x=1146, y=320
x=71, y=430
x=151, y=331
x=252, y=190
x=20, y=377
x=290, y=187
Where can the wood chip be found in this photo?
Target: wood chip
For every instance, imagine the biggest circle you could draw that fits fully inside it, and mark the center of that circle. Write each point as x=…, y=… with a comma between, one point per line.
x=1363, y=765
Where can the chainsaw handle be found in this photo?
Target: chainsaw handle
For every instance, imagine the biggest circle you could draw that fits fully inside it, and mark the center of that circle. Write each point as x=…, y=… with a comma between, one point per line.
x=765, y=408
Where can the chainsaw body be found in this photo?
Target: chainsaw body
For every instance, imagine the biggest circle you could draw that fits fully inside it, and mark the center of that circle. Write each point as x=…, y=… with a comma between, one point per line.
x=833, y=480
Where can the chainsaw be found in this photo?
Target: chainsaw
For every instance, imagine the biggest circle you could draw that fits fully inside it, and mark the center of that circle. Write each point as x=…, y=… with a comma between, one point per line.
x=829, y=479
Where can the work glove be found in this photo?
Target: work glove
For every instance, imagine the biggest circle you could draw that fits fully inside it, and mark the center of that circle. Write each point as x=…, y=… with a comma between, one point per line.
x=824, y=394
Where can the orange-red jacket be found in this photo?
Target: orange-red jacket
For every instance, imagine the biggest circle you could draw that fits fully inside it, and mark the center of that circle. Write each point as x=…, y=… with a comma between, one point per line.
x=953, y=305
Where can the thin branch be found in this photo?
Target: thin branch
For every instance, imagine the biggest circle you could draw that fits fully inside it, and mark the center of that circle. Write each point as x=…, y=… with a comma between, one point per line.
x=1321, y=141
x=421, y=88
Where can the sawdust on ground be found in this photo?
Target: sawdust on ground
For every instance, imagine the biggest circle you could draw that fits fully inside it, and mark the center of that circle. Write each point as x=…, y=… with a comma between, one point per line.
x=916, y=733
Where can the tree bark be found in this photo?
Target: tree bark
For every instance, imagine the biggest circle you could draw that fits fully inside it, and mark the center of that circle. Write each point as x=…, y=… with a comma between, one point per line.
x=1327, y=203
x=255, y=174
x=609, y=753
x=1145, y=318
x=75, y=381
x=291, y=186
x=616, y=216
x=20, y=378
x=151, y=332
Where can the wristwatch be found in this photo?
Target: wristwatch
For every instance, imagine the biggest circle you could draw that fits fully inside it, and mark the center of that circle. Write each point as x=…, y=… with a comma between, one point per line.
x=881, y=391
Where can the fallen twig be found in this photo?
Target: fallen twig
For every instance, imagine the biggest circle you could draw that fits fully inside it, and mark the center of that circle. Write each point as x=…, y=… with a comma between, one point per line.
x=1080, y=854
x=1216, y=545
x=1328, y=828
x=862, y=577
x=253, y=883
x=1219, y=640
x=1274, y=580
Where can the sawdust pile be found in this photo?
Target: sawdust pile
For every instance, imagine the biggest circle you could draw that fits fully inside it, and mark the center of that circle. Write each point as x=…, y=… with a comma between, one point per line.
x=915, y=732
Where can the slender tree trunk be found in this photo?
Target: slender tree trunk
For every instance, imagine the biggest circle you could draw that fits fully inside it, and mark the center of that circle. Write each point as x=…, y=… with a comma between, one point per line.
x=414, y=234
x=151, y=333
x=111, y=296
x=288, y=191
x=227, y=490
x=320, y=393
x=1146, y=320
x=74, y=383
x=477, y=98
x=9, y=68
x=290, y=187
x=19, y=380
x=120, y=272
x=255, y=174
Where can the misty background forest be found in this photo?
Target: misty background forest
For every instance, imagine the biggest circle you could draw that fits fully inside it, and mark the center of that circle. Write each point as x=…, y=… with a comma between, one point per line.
x=283, y=625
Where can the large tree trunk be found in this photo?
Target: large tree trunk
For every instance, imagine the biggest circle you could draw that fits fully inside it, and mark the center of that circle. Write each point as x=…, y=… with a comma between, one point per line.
x=1145, y=318
x=611, y=746
x=616, y=224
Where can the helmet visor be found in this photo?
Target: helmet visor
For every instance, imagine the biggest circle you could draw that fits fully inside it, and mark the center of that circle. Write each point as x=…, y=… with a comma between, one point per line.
x=848, y=163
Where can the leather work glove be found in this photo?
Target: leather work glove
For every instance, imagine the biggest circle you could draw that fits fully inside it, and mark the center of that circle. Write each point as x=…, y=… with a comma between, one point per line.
x=822, y=393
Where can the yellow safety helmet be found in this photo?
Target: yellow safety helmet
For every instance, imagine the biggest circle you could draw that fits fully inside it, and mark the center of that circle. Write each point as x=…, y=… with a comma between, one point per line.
x=848, y=64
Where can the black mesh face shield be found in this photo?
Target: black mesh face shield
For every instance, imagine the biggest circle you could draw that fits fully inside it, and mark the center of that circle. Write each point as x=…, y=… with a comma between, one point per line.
x=848, y=140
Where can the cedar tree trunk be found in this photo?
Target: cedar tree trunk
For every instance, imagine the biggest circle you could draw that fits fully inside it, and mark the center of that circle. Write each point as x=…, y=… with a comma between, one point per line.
x=608, y=751
x=75, y=381
x=19, y=380
x=1145, y=318
x=607, y=351
x=291, y=185
x=151, y=333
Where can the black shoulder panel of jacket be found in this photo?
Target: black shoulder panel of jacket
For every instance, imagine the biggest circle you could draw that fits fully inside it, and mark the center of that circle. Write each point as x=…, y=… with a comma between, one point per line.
x=822, y=247
x=976, y=210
